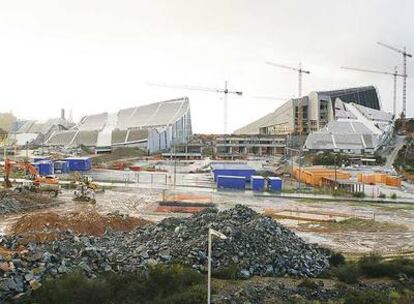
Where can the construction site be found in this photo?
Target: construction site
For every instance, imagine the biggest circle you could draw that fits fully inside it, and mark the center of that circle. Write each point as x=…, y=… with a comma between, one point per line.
x=133, y=202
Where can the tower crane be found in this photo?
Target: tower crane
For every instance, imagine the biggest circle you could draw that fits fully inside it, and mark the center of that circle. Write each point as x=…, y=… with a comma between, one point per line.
x=300, y=72
x=225, y=91
x=394, y=74
x=405, y=55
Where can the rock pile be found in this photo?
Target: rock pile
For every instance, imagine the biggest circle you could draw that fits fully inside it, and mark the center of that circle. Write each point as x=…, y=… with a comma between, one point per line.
x=256, y=245
x=16, y=203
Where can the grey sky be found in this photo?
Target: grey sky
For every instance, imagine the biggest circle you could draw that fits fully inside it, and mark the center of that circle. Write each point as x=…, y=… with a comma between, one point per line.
x=95, y=55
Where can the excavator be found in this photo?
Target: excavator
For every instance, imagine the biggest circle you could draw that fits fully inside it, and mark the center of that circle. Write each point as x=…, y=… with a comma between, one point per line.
x=85, y=190
x=33, y=182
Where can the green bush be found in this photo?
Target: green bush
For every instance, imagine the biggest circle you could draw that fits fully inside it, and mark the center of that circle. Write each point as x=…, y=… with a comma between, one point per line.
x=394, y=196
x=307, y=283
x=336, y=259
x=348, y=273
x=373, y=266
x=227, y=273
x=367, y=297
x=159, y=285
x=359, y=194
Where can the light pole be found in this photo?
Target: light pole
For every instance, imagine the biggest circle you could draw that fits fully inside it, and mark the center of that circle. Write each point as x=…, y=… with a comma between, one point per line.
x=211, y=232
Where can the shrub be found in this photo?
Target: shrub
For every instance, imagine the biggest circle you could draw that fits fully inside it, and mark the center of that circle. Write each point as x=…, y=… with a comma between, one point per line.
x=367, y=297
x=348, y=273
x=373, y=266
x=159, y=285
x=307, y=283
x=227, y=273
x=336, y=259
x=359, y=194
x=394, y=196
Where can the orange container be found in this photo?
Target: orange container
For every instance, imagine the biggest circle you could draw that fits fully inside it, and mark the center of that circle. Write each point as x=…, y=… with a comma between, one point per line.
x=393, y=181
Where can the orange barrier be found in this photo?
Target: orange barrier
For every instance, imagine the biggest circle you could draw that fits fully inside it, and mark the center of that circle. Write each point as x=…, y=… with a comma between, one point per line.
x=393, y=181
x=379, y=178
x=313, y=176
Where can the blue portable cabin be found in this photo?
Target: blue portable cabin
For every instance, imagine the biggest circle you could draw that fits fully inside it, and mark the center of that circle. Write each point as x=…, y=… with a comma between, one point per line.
x=44, y=167
x=258, y=183
x=79, y=163
x=61, y=166
x=231, y=182
x=232, y=169
x=275, y=184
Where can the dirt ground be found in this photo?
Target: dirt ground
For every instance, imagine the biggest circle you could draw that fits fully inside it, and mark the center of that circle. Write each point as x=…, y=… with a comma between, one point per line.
x=143, y=203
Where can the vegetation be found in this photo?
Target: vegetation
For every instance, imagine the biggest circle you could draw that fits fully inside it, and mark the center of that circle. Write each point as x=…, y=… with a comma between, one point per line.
x=176, y=284
x=330, y=159
x=405, y=159
x=227, y=273
x=359, y=194
x=373, y=266
x=353, y=224
x=161, y=285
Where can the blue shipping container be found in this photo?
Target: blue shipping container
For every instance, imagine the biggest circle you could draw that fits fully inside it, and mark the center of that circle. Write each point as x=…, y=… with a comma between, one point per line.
x=61, y=167
x=258, y=183
x=79, y=163
x=232, y=169
x=231, y=182
x=275, y=184
x=44, y=167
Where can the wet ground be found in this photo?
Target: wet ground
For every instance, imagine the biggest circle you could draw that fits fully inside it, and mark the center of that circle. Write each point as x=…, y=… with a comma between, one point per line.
x=143, y=202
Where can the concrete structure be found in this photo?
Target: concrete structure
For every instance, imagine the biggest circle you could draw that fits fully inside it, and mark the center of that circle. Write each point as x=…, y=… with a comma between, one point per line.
x=24, y=132
x=356, y=129
x=154, y=127
x=318, y=108
x=349, y=120
x=234, y=146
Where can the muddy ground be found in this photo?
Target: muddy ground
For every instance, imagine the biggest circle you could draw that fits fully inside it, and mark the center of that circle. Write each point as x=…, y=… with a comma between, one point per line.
x=141, y=202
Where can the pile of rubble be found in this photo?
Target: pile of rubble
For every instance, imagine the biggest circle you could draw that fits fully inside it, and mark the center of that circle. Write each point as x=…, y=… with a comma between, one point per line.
x=256, y=245
x=48, y=226
x=16, y=203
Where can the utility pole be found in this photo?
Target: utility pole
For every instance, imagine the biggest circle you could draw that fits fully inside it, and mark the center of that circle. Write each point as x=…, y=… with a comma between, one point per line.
x=405, y=56
x=394, y=74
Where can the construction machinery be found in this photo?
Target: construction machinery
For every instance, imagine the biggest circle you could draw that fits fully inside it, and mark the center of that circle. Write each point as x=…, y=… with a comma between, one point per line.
x=300, y=72
x=394, y=74
x=405, y=55
x=33, y=182
x=225, y=91
x=85, y=190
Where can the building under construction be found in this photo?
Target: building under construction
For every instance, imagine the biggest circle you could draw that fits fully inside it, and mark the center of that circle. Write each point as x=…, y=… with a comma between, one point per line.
x=348, y=120
x=154, y=127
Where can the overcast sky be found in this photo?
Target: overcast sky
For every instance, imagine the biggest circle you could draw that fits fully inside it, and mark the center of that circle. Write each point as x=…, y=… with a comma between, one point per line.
x=95, y=56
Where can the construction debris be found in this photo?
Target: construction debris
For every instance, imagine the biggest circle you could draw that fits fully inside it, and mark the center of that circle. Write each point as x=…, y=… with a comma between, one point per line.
x=257, y=245
x=49, y=226
x=21, y=202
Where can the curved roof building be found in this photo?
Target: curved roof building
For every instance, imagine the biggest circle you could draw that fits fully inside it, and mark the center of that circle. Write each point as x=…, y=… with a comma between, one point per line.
x=153, y=127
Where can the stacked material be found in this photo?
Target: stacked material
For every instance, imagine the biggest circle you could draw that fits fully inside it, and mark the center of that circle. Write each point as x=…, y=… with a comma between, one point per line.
x=255, y=244
x=379, y=178
x=313, y=176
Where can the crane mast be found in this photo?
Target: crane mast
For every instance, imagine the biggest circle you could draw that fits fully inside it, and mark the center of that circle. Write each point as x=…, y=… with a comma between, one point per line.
x=394, y=74
x=224, y=91
x=405, y=55
x=300, y=72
